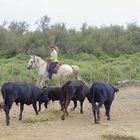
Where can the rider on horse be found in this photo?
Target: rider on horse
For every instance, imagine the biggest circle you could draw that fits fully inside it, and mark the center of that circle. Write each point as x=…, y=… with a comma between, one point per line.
x=53, y=60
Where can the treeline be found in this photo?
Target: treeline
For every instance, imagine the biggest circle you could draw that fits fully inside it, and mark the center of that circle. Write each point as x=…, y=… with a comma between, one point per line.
x=115, y=40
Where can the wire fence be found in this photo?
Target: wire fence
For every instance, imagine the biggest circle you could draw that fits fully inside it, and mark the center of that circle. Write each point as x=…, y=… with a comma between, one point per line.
x=116, y=73
x=112, y=72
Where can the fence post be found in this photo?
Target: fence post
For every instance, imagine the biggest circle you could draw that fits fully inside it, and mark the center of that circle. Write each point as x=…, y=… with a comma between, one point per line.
x=129, y=73
x=12, y=75
x=1, y=72
x=121, y=75
x=108, y=73
x=139, y=72
x=90, y=74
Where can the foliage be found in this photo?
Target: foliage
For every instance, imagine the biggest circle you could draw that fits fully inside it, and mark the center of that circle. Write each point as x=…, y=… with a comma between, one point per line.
x=104, y=69
x=113, y=40
x=107, y=53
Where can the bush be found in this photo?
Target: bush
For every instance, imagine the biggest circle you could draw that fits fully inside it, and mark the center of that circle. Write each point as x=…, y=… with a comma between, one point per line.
x=101, y=70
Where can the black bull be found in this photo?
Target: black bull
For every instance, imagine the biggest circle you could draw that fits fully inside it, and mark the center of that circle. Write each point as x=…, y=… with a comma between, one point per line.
x=73, y=90
x=101, y=93
x=50, y=94
x=53, y=94
x=19, y=92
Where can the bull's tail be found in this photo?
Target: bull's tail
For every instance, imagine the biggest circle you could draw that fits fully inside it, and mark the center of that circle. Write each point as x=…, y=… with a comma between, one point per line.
x=76, y=72
x=64, y=89
x=6, y=98
x=116, y=88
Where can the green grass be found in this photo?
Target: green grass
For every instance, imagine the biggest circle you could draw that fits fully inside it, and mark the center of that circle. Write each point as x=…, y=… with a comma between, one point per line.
x=103, y=69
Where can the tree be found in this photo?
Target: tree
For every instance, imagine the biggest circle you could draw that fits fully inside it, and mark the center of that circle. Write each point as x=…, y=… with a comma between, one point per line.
x=18, y=28
x=44, y=26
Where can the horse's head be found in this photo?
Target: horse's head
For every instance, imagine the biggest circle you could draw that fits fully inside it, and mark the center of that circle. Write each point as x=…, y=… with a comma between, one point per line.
x=31, y=62
x=35, y=62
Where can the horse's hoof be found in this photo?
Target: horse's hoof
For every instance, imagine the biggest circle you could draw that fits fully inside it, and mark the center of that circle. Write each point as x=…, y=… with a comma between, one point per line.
x=67, y=114
x=97, y=122
x=72, y=109
x=20, y=118
x=108, y=118
x=81, y=112
x=8, y=123
x=63, y=118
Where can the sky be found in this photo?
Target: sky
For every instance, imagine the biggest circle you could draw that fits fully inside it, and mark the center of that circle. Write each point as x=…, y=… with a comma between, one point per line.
x=72, y=12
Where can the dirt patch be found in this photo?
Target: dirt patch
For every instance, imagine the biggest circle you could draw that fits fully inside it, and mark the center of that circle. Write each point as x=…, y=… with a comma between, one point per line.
x=119, y=137
x=124, y=123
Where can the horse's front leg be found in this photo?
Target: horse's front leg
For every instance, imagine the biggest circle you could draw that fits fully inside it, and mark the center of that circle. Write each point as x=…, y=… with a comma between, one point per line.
x=42, y=82
x=63, y=80
x=38, y=81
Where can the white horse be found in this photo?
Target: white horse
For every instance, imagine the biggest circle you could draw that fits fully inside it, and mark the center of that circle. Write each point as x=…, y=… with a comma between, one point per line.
x=64, y=71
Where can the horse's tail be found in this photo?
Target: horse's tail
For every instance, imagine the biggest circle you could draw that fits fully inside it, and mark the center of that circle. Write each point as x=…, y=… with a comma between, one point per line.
x=76, y=72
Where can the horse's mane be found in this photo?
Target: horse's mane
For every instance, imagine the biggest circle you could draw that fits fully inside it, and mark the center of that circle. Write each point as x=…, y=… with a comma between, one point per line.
x=38, y=57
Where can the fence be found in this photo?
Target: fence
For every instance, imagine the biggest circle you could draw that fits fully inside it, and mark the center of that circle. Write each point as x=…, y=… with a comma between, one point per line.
x=113, y=72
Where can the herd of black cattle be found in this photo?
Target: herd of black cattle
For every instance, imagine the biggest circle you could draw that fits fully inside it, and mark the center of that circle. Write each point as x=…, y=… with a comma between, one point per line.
x=27, y=93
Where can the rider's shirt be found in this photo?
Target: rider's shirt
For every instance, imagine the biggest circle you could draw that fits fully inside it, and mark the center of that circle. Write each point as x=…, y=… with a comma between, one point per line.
x=54, y=56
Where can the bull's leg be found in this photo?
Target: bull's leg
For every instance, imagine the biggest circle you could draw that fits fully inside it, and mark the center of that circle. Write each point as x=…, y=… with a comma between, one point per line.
x=7, y=110
x=65, y=109
x=98, y=111
x=94, y=108
x=39, y=104
x=61, y=104
x=105, y=104
x=1, y=106
x=35, y=108
x=107, y=108
x=81, y=104
x=21, y=110
x=46, y=105
x=75, y=105
x=108, y=112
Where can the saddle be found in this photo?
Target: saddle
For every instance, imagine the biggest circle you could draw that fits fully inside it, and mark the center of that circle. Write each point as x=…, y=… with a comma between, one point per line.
x=48, y=64
x=56, y=67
